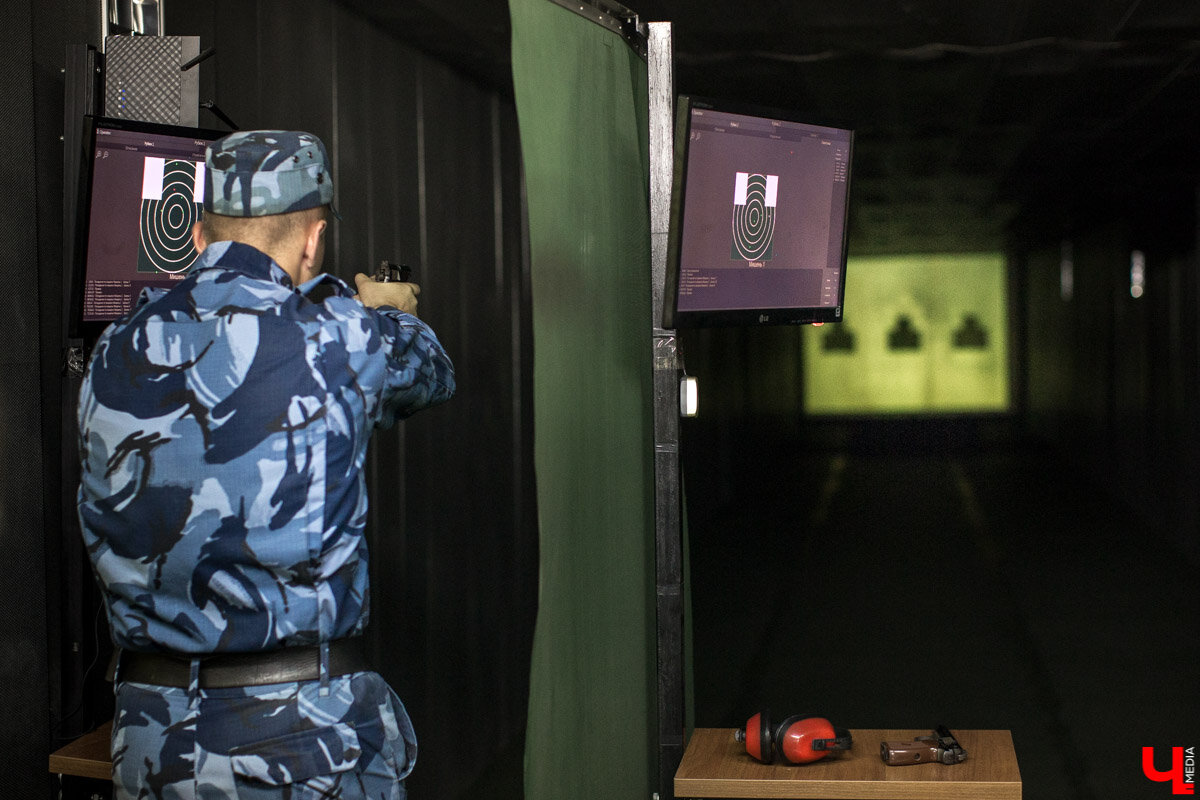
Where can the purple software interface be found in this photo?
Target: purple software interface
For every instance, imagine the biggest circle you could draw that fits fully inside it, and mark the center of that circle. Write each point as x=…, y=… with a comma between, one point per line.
x=761, y=220
x=145, y=191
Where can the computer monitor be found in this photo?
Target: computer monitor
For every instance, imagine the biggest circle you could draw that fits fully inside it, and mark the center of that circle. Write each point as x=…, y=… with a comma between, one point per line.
x=141, y=189
x=758, y=218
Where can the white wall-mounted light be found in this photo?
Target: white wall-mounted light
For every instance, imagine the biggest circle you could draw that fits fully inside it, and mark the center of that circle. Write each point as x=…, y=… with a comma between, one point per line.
x=1066, y=271
x=689, y=396
x=1137, y=273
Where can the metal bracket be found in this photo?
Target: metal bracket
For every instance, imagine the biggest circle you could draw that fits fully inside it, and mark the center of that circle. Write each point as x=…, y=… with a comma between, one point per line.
x=613, y=16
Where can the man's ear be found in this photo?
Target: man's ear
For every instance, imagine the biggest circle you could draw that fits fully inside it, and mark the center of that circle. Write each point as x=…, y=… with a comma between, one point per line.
x=314, y=250
x=198, y=240
x=315, y=231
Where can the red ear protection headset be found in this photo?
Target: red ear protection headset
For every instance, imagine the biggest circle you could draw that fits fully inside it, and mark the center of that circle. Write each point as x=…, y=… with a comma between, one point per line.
x=798, y=739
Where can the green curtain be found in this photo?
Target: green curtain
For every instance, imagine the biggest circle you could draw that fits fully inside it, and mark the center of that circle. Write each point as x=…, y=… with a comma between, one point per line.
x=581, y=106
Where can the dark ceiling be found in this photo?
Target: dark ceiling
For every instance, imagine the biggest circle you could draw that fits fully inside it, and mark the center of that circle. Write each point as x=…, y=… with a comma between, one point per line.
x=968, y=113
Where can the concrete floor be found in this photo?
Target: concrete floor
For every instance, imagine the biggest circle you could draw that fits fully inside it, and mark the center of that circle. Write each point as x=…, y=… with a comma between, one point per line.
x=906, y=575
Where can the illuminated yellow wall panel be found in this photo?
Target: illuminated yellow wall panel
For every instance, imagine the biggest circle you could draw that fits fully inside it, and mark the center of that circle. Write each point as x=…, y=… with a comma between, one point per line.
x=922, y=334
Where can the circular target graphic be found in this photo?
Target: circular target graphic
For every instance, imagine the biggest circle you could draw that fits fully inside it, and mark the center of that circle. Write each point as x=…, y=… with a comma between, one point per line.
x=754, y=222
x=166, y=226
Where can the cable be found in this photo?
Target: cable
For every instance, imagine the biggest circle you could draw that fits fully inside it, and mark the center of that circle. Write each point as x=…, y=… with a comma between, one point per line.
x=83, y=680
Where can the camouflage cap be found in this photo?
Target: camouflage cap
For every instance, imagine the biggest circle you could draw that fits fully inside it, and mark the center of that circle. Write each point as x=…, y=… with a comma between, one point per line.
x=258, y=173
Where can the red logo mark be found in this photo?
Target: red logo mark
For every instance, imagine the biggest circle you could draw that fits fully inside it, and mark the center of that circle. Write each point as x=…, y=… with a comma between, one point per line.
x=1182, y=774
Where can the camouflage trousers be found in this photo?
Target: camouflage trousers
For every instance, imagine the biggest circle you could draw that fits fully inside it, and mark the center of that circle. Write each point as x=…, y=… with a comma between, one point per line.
x=286, y=740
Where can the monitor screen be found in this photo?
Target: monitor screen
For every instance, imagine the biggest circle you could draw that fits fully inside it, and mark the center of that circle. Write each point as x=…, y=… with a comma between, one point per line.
x=141, y=189
x=758, y=218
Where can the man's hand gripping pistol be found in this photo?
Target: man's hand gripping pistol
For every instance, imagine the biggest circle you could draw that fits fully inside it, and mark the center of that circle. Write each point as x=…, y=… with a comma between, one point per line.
x=396, y=292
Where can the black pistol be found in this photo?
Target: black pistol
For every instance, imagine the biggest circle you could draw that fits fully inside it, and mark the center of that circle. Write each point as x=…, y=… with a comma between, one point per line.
x=391, y=272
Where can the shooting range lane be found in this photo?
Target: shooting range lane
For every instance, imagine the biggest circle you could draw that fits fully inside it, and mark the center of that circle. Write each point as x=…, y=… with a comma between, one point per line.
x=911, y=574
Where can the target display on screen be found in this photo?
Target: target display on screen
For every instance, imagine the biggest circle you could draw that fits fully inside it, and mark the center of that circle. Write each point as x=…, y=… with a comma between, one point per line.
x=777, y=255
x=141, y=191
x=172, y=194
x=754, y=198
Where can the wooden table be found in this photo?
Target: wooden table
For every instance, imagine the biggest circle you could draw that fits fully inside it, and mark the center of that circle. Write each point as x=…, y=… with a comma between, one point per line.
x=715, y=765
x=86, y=757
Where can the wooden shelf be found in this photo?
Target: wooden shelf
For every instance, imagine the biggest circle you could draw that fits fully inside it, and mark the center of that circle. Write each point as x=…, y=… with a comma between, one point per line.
x=715, y=765
x=86, y=757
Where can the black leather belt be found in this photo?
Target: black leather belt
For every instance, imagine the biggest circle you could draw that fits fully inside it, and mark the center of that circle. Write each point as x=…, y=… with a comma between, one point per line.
x=227, y=670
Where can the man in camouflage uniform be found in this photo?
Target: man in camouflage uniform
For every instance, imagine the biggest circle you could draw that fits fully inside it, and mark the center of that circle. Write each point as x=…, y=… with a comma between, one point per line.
x=223, y=429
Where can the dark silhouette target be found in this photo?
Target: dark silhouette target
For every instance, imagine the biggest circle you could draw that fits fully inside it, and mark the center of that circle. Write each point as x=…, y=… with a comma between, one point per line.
x=167, y=216
x=754, y=217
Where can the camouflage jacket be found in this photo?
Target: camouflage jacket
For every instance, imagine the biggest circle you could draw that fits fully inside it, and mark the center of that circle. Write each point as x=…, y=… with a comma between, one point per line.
x=223, y=428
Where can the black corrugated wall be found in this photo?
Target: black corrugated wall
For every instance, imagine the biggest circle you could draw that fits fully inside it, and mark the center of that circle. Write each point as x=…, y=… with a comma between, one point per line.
x=23, y=657
x=1113, y=380
x=428, y=173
